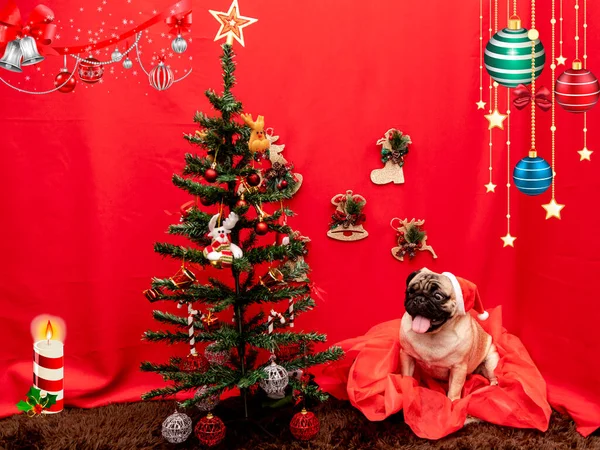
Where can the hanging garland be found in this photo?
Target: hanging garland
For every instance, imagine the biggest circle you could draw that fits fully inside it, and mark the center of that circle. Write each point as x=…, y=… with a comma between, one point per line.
x=25, y=43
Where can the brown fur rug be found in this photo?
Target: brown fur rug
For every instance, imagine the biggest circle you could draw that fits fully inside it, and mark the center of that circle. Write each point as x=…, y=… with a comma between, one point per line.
x=138, y=426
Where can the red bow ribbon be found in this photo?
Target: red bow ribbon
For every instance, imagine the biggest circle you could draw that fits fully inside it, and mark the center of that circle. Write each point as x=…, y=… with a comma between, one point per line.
x=40, y=25
x=180, y=23
x=523, y=97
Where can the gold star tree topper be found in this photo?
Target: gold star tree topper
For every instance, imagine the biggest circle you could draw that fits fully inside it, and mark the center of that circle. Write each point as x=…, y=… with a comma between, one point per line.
x=232, y=23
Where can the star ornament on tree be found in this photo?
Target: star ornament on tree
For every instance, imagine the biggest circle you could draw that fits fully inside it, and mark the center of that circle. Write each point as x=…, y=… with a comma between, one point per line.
x=232, y=23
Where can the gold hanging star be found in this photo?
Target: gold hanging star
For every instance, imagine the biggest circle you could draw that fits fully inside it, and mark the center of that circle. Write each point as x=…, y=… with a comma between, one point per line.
x=585, y=154
x=232, y=23
x=553, y=209
x=480, y=104
x=495, y=120
x=508, y=240
x=561, y=60
x=490, y=187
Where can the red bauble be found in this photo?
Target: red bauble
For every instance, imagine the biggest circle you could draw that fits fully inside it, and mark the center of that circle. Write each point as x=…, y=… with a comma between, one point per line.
x=253, y=179
x=205, y=201
x=241, y=204
x=90, y=73
x=305, y=425
x=65, y=86
x=282, y=185
x=197, y=363
x=577, y=90
x=210, y=430
x=261, y=228
x=210, y=175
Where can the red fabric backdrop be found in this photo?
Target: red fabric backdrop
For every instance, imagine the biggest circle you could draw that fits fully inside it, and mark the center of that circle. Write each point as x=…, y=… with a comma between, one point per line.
x=87, y=179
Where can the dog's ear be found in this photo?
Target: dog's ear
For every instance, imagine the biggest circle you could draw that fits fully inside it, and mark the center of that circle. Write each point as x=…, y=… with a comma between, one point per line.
x=411, y=276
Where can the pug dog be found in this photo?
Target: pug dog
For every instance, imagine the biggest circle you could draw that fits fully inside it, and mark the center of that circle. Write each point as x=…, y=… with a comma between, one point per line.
x=437, y=334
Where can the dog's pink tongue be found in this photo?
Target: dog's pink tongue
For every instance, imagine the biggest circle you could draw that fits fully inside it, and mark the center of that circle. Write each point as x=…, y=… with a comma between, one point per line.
x=421, y=324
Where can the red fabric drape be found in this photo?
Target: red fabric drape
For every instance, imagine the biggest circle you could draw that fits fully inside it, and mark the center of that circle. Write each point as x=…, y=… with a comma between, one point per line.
x=86, y=179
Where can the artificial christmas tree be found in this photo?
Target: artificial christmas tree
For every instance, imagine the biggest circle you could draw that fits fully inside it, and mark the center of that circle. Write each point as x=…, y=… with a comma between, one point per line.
x=227, y=243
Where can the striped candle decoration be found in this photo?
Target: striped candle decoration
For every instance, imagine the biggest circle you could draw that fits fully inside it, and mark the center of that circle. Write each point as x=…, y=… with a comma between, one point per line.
x=48, y=370
x=507, y=55
x=577, y=89
x=161, y=77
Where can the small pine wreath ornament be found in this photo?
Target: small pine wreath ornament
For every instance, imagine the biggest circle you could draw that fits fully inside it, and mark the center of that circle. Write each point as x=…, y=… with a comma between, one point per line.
x=305, y=425
x=411, y=237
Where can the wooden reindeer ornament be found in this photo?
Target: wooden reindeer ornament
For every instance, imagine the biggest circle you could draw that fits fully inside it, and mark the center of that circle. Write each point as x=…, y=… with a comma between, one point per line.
x=258, y=141
x=410, y=238
x=346, y=222
x=394, y=149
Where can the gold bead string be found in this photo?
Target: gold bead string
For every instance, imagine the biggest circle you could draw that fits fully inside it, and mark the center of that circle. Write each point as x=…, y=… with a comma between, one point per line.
x=514, y=7
x=495, y=31
x=576, y=29
x=560, y=42
x=585, y=67
x=491, y=140
x=553, y=110
x=585, y=34
x=480, y=50
x=532, y=78
x=508, y=178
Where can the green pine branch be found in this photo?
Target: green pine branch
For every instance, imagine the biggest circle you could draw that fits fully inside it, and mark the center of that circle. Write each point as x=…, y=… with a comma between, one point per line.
x=305, y=361
x=190, y=255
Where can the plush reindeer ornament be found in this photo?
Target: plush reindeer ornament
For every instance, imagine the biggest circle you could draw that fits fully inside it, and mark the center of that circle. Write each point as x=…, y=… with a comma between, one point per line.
x=221, y=251
x=258, y=141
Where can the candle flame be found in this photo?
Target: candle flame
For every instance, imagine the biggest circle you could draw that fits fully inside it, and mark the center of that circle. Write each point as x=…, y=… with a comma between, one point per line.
x=49, y=331
x=48, y=326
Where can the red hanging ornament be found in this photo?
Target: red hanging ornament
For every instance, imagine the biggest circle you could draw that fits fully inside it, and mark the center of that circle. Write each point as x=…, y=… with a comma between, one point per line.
x=211, y=175
x=261, y=228
x=205, y=201
x=577, y=89
x=210, y=430
x=197, y=363
x=282, y=185
x=253, y=179
x=89, y=72
x=304, y=425
x=66, y=81
x=241, y=203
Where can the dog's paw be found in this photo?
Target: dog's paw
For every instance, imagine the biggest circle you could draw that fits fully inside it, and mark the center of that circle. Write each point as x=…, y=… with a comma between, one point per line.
x=494, y=383
x=454, y=398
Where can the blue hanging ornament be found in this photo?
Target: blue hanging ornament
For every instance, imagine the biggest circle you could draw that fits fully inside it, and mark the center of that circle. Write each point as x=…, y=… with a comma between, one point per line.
x=532, y=175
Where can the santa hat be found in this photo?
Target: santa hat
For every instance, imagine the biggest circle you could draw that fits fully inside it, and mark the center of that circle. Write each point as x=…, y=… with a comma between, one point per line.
x=467, y=296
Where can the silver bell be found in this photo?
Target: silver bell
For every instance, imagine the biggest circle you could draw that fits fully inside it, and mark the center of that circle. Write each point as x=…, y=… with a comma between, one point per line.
x=12, y=57
x=30, y=51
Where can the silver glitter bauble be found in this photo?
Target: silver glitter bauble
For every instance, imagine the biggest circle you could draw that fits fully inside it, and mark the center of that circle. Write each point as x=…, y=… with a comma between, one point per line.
x=276, y=382
x=207, y=403
x=179, y=44
x=218, y=357
x=127, y=63
x=116, y=55
x=177, y=428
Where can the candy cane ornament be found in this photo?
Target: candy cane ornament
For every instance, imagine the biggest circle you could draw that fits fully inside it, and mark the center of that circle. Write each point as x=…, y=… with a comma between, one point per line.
x=190, y=321
x=291, y=313
x=272, y=316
